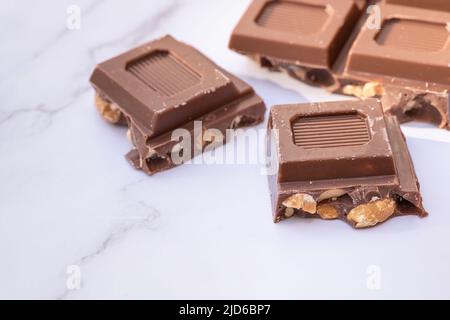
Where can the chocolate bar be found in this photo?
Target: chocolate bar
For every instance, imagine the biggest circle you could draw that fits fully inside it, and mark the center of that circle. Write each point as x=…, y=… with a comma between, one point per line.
x=340, y=160
x=338, y=45
x=166, y=85
x=425, y=4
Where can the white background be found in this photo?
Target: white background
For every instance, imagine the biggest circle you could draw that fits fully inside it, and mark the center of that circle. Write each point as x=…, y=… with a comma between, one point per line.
x=68, y=197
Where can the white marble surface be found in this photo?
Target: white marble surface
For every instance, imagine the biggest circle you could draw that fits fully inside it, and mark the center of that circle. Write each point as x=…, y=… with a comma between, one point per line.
x=68, y=197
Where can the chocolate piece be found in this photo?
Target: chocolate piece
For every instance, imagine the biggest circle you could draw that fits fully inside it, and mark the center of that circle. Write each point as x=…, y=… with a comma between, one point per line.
x=166, y=85
x=443, y=5
x=405, y=63
x=410, y=45
x=340, y=160
x=320, y=29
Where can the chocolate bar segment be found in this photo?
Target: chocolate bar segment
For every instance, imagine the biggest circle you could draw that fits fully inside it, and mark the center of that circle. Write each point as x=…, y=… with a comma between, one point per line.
x=404, y=61
x=441, y=5
x=340, y=160
x=165, y=85
x=311, y=31
x=410, y=45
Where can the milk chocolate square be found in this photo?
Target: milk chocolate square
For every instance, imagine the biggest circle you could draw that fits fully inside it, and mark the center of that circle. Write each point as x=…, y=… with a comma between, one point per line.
x=310, y=31
x=163, y=84
x=340, y=160
x=166, y=85
x=412, y=43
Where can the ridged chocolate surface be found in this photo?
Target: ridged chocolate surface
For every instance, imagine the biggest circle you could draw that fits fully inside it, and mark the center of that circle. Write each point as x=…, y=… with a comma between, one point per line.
x=330, y=131
x=164, y=73
x=284, y=16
